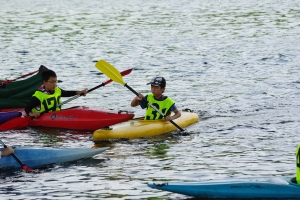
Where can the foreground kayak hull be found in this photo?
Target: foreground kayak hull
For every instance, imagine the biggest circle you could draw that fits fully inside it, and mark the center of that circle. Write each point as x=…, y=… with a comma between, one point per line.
x=75, y=118
x=137, y=128
x=273, y=188
x=36, y=157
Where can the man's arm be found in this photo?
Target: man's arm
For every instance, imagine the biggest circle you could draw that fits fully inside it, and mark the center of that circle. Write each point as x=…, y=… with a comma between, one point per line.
x=65, y=93
x=34, y=101
x=177, y=113
x=138, y=100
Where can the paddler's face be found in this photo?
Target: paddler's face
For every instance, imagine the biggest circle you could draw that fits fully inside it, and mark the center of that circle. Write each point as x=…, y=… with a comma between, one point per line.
x=157, y=91
x=50, y=84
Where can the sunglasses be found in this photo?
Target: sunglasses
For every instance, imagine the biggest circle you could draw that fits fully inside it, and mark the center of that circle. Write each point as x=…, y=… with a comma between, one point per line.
x=52, y=82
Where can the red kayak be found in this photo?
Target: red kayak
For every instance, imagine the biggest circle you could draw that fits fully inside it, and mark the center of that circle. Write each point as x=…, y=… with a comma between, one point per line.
x=15, y=123
x=6, y=116
x=75, y=118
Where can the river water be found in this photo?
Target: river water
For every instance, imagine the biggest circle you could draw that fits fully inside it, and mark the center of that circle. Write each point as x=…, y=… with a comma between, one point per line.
x=234, y=62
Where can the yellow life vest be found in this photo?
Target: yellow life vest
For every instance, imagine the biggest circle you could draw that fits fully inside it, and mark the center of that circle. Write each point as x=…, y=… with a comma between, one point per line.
x=49, y=102
x=162, y=105
x=298, y=164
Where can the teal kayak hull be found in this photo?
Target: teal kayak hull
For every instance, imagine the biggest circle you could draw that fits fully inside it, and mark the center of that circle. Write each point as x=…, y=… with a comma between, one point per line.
x=37, y=157
x=273, y=188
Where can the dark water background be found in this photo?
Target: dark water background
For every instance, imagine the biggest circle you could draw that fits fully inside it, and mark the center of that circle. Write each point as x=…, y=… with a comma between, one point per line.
x=234, y=62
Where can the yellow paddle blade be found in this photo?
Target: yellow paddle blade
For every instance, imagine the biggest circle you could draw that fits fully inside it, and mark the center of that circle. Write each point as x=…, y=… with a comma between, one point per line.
x=110, y=71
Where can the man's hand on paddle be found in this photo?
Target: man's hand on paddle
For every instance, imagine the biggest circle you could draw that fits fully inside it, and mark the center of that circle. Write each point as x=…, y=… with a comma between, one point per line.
x=82, y=92
x=35, y=114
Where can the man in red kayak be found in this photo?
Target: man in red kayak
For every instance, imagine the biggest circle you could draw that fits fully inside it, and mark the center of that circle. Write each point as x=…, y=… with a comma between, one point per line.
x=7, y=151
x=163, y=103
x=47, y=97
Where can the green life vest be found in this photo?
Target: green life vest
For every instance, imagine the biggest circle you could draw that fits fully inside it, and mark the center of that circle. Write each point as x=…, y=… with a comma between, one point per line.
x=298, y=164
x=162, y=105
x=49, y=102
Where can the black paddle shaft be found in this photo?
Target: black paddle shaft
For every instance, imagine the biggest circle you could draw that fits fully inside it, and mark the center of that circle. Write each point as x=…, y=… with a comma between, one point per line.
x=123, y=73
x=78, y=95
x=137, y=94
x=94, y=88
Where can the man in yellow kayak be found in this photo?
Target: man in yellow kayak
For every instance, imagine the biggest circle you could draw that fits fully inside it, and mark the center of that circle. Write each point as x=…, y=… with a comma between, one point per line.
x=163, y=103
x=47, y=97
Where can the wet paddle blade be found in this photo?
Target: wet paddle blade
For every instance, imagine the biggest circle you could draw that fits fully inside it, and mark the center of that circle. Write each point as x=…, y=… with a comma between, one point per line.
x=26, y=168
x=110, y=71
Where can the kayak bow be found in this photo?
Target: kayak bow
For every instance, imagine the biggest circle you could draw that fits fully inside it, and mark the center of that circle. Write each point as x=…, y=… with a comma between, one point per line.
x=273, y=188
x=36, y=157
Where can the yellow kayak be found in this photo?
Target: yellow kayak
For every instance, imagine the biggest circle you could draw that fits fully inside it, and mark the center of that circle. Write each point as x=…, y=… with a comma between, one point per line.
x=139, y=127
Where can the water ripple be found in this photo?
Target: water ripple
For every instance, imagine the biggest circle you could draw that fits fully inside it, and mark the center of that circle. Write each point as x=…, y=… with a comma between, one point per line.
x=235, y=63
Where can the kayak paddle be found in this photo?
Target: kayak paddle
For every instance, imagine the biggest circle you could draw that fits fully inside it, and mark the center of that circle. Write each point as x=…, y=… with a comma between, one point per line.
x=123, y=73
x=115, y=75
x=18, y=160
